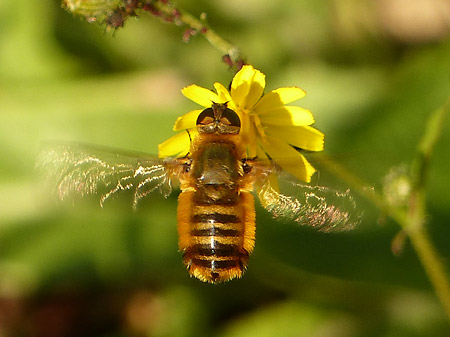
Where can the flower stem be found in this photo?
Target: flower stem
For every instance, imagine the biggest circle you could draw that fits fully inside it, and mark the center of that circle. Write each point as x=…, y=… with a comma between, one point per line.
x=229, y=50
x=363, y=188
x=415, y=220
x=433, y=266
x=412, y=220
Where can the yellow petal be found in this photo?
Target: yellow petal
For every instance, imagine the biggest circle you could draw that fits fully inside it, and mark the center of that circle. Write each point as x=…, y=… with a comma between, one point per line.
x=288, y=158
x=260, y=154
x=187, y=121
x=247, y=87
x=304, y=137
x=177, y=145
x=222, y=92
x=200, y=95
x=287, y=115
x=248, y=134
x=277, y=97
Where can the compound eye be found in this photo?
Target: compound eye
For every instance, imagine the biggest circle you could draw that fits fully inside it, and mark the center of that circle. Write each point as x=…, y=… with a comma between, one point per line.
x=231, y=118
x=206, y=117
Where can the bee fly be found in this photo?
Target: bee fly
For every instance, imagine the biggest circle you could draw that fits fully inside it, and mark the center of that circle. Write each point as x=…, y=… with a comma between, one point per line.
x=216, y=209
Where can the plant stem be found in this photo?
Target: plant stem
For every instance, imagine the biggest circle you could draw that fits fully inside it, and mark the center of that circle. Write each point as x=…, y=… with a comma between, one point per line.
x=433, y=266
x=199, y=25
x=415, y=221
x=363, y=188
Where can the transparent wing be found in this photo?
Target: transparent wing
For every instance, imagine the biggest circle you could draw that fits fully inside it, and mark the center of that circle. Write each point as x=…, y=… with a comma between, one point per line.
x=76, y=170
x=321, y=207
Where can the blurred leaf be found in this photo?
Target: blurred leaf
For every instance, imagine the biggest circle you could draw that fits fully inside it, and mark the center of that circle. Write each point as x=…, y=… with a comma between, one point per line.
x=290, y=319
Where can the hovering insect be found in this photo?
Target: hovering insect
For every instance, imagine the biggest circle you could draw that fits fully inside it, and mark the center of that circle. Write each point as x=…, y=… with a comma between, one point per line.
x=216, y=210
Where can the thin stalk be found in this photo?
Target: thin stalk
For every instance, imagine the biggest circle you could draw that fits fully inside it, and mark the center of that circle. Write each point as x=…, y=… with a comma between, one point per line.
x=363, y=189
x=415, y=222
x=433, y=266
x=200, y=26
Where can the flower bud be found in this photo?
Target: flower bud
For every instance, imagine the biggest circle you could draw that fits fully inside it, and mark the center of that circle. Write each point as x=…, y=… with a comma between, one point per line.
x=89, y=9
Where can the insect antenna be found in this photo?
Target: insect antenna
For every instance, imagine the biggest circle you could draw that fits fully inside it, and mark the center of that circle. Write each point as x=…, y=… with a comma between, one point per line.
x=189, y=134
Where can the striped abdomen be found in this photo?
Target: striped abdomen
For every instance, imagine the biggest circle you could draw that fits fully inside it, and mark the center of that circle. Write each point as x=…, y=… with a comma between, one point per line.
x=216, y=238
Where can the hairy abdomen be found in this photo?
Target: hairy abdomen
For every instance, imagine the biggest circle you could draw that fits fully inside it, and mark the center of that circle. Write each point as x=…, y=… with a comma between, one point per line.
x=216, y=238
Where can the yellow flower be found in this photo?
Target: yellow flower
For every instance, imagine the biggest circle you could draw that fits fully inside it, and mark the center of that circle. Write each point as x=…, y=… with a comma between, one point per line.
x=269, y=127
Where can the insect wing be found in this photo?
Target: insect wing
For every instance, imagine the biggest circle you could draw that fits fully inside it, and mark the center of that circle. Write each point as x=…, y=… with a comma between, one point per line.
x=321, y=207
x=77, y=170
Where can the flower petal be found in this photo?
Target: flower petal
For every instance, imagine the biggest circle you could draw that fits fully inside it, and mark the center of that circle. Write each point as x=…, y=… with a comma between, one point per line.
x=187, y=121
x=288, y=158
x=177, y=145
x=277, y=97
x=260, y=154
x=200, y=95
x=304, y=137
x=248, y=134
x=287, y=116
x=222, y=92
x=247, y=87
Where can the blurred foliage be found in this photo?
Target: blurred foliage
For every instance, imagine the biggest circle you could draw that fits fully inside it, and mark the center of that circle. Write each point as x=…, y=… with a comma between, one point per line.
x=372, y=80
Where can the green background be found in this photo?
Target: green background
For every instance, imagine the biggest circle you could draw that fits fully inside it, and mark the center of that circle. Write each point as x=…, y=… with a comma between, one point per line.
x=373, y=73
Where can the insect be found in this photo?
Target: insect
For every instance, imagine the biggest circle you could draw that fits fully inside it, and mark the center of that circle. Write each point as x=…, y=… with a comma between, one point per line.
x=216, y=208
